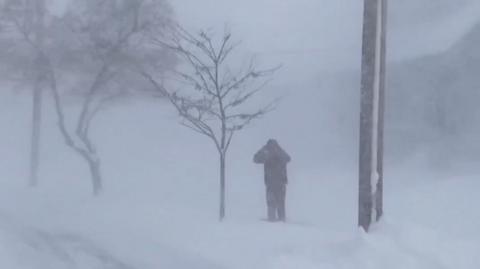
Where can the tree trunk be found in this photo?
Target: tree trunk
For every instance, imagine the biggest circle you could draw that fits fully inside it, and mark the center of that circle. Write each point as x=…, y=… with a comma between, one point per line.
x=371, y=117
x=39, y=7
x=222, y=186
x=96, y=176
x=35, y=136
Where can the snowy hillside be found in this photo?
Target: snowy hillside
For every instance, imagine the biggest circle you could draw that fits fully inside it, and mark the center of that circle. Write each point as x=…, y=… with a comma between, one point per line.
x=434, y=98
x=432, y=103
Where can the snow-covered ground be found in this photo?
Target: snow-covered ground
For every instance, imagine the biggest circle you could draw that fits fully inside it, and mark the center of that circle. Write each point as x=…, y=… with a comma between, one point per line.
x=429, y=224
x=159, y=209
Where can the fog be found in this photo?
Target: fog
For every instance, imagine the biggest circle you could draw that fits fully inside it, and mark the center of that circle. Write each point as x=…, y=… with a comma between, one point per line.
x=159, y=204
x=318, y=43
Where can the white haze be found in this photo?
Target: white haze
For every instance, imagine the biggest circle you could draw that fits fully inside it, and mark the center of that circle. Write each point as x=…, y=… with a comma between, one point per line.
x=159, y=209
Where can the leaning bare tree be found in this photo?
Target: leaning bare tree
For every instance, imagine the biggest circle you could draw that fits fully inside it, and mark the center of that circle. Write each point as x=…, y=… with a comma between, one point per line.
x=103, y=39
x=214, y=102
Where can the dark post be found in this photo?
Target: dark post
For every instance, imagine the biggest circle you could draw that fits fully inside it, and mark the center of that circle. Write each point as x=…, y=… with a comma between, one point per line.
x=370, y=204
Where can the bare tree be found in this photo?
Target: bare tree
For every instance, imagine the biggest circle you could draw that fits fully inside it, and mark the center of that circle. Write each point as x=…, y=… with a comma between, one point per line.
x=106, y=37
x=214, y=100
x=23, y=25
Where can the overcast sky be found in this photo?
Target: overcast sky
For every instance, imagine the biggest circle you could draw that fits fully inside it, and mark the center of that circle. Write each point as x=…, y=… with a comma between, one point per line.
x=326, y=33
x=325, y=28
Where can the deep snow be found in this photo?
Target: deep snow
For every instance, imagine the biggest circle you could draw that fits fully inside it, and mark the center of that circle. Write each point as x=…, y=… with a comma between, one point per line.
x=159, y=209
x=160, y=204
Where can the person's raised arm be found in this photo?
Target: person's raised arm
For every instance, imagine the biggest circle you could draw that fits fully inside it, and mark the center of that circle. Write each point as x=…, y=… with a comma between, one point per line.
x=284, y=156
x=260, y=156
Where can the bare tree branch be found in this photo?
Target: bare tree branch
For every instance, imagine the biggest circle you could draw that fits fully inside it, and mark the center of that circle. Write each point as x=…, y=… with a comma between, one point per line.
x=61, y=115
x=212, y=90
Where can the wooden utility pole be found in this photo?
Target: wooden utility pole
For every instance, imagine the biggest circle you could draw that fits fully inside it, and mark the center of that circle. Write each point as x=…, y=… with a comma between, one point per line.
x=370, y=204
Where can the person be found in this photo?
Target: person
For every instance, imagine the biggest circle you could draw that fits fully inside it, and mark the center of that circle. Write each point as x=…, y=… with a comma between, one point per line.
x=275, y=161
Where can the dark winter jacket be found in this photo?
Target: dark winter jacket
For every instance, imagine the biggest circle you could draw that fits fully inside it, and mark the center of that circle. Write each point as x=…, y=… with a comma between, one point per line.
x=275, y=160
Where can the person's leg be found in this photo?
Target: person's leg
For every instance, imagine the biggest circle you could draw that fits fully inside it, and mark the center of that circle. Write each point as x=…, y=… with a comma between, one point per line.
x=281, y=193
x=271, y=208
